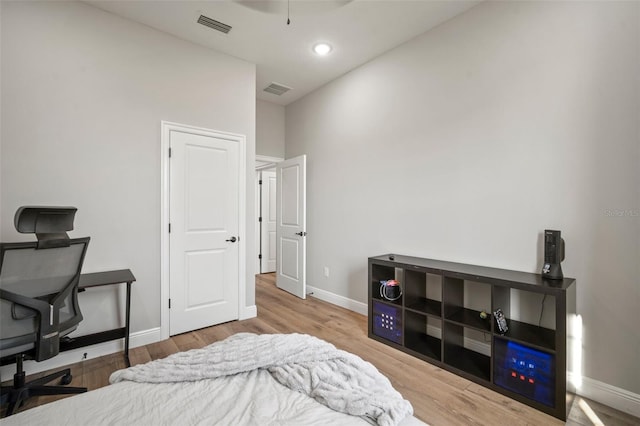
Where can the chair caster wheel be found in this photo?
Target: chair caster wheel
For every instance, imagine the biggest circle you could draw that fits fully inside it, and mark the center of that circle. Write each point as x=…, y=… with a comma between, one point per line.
x=66, y=379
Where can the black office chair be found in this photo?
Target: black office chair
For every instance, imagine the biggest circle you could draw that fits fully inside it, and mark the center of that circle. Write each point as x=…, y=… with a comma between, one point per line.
x=38, y=298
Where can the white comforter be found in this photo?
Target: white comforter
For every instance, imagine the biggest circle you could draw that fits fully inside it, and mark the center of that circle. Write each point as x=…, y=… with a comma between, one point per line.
x=246, y=399
x=338, y=379
x=252, y=398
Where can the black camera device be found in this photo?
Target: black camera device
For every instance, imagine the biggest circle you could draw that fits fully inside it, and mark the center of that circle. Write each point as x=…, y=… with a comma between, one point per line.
x=553, y=255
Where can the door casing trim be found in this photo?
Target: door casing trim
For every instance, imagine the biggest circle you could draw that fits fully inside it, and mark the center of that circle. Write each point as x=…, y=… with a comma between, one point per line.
x=165, y=131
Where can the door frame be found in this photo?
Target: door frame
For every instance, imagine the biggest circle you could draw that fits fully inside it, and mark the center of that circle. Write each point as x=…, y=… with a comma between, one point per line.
x=263, y=162
x=165, y=174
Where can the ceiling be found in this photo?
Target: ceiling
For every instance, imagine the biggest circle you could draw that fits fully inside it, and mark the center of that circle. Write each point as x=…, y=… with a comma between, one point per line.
x=358, y=30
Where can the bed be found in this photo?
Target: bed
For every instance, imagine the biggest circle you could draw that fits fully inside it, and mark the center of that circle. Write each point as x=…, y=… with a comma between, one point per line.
x=246, y=379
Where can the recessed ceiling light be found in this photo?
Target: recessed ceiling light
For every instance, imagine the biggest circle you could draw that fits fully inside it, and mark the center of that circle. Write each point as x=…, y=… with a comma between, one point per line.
x=322, y=48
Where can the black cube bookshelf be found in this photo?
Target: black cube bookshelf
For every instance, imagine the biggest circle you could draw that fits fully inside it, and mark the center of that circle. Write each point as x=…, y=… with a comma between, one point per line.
x=445, y=317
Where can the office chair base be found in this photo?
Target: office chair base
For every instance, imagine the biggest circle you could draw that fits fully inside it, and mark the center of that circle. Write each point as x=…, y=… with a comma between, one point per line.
x=17, y=394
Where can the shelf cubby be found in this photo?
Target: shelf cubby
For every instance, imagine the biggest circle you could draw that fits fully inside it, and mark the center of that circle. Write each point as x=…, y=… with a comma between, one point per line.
x=459, y=354
x=525, y=319
x=423, y=292
x=382, y=273
x=464, y=302
x=422, y=334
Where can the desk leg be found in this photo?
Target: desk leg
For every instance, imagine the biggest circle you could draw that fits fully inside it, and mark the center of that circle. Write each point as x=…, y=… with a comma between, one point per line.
x=126, y=327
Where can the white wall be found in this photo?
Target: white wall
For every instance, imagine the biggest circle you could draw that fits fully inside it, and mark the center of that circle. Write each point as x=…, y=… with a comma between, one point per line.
x=465, y=143
x=83, y=95
x=269, y=129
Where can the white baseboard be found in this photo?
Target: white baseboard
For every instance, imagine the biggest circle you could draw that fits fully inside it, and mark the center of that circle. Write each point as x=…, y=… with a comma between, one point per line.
x=248, y=312
x=612, y=396
x=136, y=339
x=336, y=299
x=618, y=398
x=139, y=338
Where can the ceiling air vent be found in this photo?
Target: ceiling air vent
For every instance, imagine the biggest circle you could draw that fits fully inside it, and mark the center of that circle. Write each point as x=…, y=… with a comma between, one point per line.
x=277, y=89
x=212, y=23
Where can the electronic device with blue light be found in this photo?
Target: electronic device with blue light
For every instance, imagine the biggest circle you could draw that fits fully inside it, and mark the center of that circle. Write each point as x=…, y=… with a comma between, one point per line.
x=524, y=370
x=387, y=322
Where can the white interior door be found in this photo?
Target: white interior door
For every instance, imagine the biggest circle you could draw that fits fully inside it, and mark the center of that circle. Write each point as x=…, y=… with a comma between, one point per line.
x=291, y=225
x=204, y=217
x=268, y=223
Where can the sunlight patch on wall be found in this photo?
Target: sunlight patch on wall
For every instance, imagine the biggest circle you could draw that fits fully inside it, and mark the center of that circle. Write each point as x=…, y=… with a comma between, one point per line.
x=575, y=347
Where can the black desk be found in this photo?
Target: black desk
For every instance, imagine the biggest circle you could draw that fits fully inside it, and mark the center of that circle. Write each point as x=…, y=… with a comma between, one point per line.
x=99, y=279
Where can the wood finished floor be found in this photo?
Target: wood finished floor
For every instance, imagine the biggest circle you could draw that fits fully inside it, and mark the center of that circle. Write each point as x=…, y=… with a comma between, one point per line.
x=438, y=397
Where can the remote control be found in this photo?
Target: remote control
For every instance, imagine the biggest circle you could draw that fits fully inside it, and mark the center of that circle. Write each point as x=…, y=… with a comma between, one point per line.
x=501, y=322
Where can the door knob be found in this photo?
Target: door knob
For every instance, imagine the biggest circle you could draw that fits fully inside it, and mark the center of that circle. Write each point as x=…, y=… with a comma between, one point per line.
x=232, y=239
x=301, y=233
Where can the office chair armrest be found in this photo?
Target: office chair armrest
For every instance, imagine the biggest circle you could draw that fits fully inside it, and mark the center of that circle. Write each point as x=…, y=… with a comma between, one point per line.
x=48, y=341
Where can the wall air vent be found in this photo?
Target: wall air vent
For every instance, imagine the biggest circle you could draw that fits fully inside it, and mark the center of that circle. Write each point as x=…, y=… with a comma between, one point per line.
x=277, y=89
x=212, y=23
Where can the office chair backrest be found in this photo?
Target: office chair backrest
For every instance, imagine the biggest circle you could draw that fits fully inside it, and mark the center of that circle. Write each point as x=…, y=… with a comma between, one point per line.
x=39, y=283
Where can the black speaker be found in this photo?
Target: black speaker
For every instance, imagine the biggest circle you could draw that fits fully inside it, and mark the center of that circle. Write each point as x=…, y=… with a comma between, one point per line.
x=553, y=255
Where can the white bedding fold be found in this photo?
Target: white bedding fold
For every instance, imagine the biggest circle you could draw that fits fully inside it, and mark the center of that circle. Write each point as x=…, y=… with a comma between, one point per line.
x=340, y=380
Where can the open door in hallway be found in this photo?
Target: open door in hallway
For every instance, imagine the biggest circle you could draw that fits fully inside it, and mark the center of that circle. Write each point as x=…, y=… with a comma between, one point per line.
x=291, y=226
